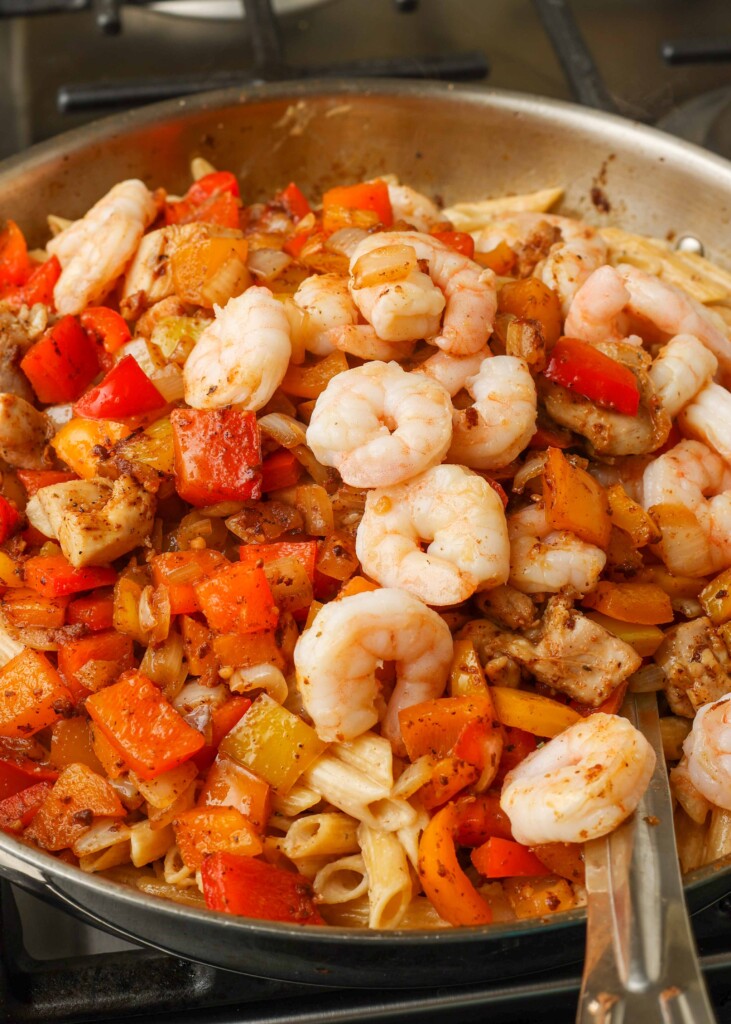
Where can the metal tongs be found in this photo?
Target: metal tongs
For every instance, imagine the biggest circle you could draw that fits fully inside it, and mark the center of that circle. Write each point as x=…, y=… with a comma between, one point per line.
x=641, y=965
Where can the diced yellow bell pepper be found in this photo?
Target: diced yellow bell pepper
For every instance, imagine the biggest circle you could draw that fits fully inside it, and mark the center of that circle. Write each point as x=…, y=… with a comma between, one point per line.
x=466, y=677
x=715, y=598
x=532, y=712
x=273, y=743
x=643, y=638
x=673, y=585
x=11, y=572
x=631, y=517
x=76, y=440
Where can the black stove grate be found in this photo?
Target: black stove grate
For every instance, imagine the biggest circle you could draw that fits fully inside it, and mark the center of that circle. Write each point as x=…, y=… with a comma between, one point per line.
x=143, y=986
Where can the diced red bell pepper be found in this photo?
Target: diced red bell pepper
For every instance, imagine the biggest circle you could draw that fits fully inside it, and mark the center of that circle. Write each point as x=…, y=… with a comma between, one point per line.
x=294, y=245
x=517, y=745
x=460, y=241
x=223, y=719
x=19, y=810
x=16, y=775
x=282, y=469
x=9, y=519
x=305, y=551
x=125, y=391
x=139, y=721
x=580, y=367
x=95, y=611
x=504, y=858
x=54, y=576
x=217, y=455
x=213, y=199
x=205, y=830
x=253, y=888
x=237, y=599
x=194, y=565
x=62, y=363
x=369, y=195
x=79, y=795
x=294, y=202
x=480, y=816
x=34, y=479
x=230, y=784
x=107, y=646
x=32, y=695
x=106, y=326
x=38, y=287
x=14, y=261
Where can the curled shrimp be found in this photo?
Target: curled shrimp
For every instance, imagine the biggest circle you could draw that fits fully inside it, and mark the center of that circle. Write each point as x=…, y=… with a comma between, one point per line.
x=543, y=560
x=461, y=518
x=570, y=258
x=680, y=370
x=379, y=425
x=603, y=307
x=452, y=372
x=325, y=300
x=496, y=429
x=361, y=340
x=242, y=356
x=580, y=785
x=708, y=750
x=708, y=419
x=417, y=209
x=693, y=476
x=337, y=657
x=410, y=309
x=95, y=250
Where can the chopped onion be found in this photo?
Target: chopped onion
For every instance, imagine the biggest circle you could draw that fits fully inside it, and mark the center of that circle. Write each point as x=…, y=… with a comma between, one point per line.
x=283, y=429
x=320, y=474
x=380, y=266
x=314, y=503
x=170, y=383
x=127, y=791
x=195, y=695
x=648, y=679
x=189, y=896
x=60, y=414
x=164, y=664
x=267, y=264
x=101, y=835
x=345, y=241
x=531, y=468
x=141, y=352
x=260, y=677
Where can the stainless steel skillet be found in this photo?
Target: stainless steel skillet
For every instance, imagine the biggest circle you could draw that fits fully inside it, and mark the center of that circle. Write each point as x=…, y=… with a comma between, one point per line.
x=457, y=143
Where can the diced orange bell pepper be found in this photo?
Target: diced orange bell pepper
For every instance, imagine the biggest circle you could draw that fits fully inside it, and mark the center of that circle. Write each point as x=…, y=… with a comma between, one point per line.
x=715, y=598
x=71, y=744
x=502, y=259
x=62, y=363
x=95, y=611
x=575, y=501
x=230, y=784
x=205, y=830
x=631, y=517
x=78, y=441
x=34, y=479
x=237, y=599
x=294, y=202
x=460, y=241
x=76, y=799
x=32, y=694
x=113, y=649
x=140, y=722
x=19, y=810
x=18, y=774
x=643, y=603
x=435, y=726
x=532, y=711
x=223, y=719
x=305, y=551
x=504, y=858
x=197, y=644
x=450, y=775
x=54, y=576
x=480, y=816
x=356, y=585
x=26, y=607
x=177, y=571
x=282, y=469
x=609, y=706
x=443, y=880
x=311, y=381
x=644, y=638
x=253, y=888
x=245, y=650
x=564, y=859
x=363, y=205
x=109, y=757
x=531, y=299
x=217, y=455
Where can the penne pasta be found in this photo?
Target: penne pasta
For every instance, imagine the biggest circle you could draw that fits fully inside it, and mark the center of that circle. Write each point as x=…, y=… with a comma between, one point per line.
x=475, y=216
x=106, y=859
x=330, y=835
x=389, y=881
x=354, y=792
x=718, y=838
x=342, y=880
x=299, y=798
x=369, y=753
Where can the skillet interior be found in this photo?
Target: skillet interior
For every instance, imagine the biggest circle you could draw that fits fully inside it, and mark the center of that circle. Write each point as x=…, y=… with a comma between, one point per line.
x=450, y=142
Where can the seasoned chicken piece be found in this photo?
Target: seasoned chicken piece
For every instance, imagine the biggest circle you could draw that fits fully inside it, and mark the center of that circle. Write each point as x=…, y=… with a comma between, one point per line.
x=507, y=606
x=94, y=521
x=24, y=433
x=612, y=433
x=13, y=343
x=575, y=655
x=696, y=663
x=150, y=270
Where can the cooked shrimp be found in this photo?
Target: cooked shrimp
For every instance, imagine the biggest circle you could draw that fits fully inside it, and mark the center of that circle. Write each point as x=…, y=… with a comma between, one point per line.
x=242, y=357
x=452, y=372
x=461, y=518
x=361, y=340
x=687, y=475
x=379, y=425
x=326, y=303
x=95, y=250
x=580, y=785
x=410, y=309
x=708, y=749
x=499, y=425
x=570, y=259
x=337, y=658
x=708, y=418
x=24, y=433
x=417, y=209
x=603, y=307
x=150, y=272
x=543, y=560
x=680, y=370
